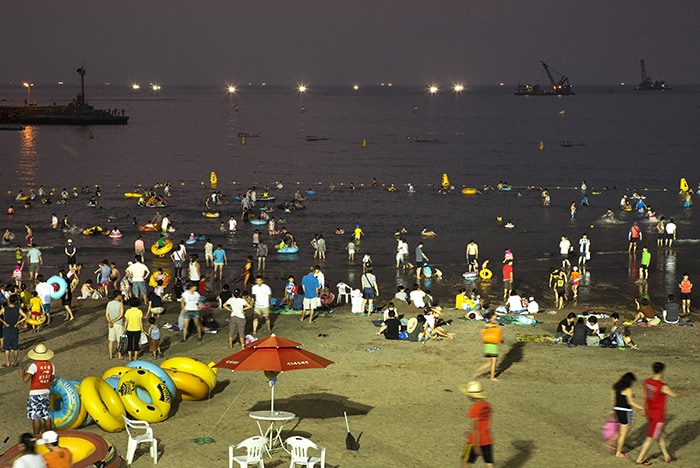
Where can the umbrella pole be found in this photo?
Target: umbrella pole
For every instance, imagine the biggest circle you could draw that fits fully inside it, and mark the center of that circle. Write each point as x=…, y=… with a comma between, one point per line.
x=272, y=400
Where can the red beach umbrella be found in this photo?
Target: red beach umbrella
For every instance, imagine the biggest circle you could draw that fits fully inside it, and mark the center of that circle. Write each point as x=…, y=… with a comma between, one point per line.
x=273, y=355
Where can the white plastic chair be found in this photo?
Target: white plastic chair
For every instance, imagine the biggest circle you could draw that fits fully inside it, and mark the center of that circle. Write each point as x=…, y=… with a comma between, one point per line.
x=254, y=452
x=344, y=291
x=299, y=447
x=136, y=439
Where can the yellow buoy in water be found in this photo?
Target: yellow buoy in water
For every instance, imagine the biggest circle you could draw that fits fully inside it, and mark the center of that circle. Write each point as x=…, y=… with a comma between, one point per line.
x=243, y=140
x=445, y=182
x=364, y=143
x=213, y=180
x=541, y=145
x=684, y=185
x=91, y=135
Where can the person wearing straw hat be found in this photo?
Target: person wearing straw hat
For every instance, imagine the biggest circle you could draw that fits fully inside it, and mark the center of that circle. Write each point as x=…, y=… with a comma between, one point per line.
x=479, y=439
x=39, y=374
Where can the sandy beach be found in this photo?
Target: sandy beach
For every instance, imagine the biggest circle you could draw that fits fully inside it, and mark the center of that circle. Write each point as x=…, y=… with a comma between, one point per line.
x=402, y=400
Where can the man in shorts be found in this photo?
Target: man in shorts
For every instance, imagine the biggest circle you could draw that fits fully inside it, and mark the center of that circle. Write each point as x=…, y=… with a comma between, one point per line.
x=39, y=374
x=655, y=394
x=634, y=236
x=311, y=287
x=644, y=265
x=670, y=233
x=138, y=272
x=236, y=306
x=35, y=260
x=114, y=313
x=219, y=257
x=421, y=259
x=472, y=254
x=479, y=440
x=261, y=307
x=661, y=232
x=10, y=317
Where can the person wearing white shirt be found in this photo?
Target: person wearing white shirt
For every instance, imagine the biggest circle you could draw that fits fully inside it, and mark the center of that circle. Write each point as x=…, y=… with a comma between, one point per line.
x=261, y=308
x=670, y=233
x=564, y=248
x=236, y=305
x=515, y=303
x=417, y=297
x=532, y=306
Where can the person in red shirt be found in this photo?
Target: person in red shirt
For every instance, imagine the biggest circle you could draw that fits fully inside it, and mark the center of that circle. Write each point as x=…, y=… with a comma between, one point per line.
x=634, y=236
x=479, y=439
x=39, y=374
x=507, y=279
x=686, y=289
x=655, y=393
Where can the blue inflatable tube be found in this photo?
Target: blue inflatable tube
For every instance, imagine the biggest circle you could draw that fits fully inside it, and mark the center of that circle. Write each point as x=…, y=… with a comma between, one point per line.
x=190, y=241
x=66, y=404
x=59, y=282
x=88, y=418
x=157, y=371
x=258, y=222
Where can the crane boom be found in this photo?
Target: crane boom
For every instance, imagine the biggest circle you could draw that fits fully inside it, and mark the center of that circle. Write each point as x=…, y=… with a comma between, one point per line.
x=644, y=71
x=563, y=81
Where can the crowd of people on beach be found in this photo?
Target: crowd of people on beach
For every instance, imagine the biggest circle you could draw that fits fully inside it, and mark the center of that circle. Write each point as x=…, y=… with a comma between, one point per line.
x=137, y=297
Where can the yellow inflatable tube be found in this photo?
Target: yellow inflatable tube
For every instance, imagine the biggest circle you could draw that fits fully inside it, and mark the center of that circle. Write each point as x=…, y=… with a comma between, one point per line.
x=469, y=191
x=189, y=387
x=152, y=282
x=167, y=247
x=161, y=398
x=206, y=372
x=485, y=274
x=133, y=195
x=39, y=321
x=102, y=404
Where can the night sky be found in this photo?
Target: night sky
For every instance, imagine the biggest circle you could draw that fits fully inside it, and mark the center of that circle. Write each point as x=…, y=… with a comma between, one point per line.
x=333, y=42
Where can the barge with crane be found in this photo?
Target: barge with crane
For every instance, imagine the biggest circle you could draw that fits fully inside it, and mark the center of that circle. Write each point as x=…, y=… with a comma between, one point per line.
x=560, y=85
x=647, y=84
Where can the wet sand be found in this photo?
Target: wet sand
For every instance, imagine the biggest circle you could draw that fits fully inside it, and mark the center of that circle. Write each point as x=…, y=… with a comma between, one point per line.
x=403, y=399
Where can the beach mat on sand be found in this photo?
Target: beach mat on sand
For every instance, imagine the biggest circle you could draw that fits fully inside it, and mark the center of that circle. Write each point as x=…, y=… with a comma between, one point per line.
x=524, y=338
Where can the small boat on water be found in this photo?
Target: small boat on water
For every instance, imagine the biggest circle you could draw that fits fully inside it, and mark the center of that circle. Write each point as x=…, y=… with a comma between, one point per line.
x=569, y=144
x=316, y=138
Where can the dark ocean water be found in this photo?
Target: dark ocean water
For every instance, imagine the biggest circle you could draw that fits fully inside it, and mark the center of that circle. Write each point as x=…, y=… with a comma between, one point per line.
x=632, y=140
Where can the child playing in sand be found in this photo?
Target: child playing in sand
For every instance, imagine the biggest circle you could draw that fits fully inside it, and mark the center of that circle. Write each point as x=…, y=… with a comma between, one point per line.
x=36, y=311
x=154, y=338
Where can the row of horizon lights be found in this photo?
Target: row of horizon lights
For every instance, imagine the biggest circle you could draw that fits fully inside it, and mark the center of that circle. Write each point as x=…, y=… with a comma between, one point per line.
x=302, y=88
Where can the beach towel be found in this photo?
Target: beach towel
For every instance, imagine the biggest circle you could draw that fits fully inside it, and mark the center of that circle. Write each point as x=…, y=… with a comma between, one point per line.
x=524, y=338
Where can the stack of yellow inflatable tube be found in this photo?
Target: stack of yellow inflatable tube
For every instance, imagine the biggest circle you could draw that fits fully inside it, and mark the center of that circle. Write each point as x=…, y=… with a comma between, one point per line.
x=141, y=389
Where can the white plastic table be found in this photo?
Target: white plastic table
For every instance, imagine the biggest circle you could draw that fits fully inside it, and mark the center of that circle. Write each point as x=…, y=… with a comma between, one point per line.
x=274, y=430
